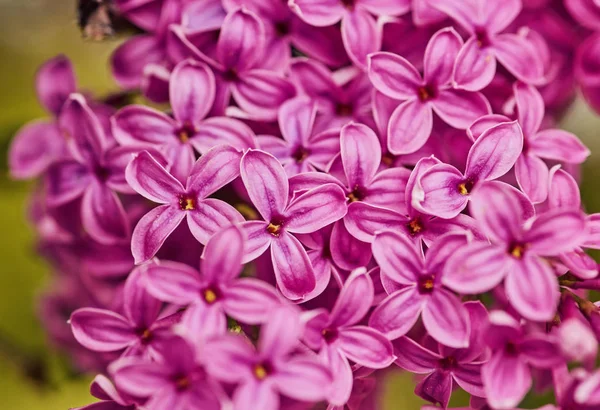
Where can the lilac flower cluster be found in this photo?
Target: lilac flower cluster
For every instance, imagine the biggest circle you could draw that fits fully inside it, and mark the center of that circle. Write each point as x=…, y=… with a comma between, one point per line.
x=337, y=187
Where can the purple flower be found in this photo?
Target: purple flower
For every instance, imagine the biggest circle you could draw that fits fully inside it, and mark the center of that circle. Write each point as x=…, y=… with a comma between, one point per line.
x=205, y=216
x=586, y=12
x=444, y=366
x=553, y=144
x=341, y=96
x=586, y=59
x=192, y=91
x=215, y=291
x=268, y=188
x=415, y=287
x=507, y=375
x=178, y=381
x=272, y=369
x=517, y=250
x=444, y=191
x=339, y=339
x=412, y=121
x=258, y=91
x=360, y=33
x=485, y=21
x=93, y=172
x=300, y=150
x=364, y=221
x=137, y=332
x=284, y=29
x=111, y=399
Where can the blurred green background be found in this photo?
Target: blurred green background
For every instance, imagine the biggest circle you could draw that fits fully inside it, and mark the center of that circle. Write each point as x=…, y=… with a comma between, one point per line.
x=32, y=31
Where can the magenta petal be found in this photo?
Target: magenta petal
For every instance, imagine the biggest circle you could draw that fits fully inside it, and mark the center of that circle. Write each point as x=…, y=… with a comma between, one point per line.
x=296, y=119
x=34, y=148
x=446, y=319
x=556, y=231
x=231, y=358
x=580, y=264
x=318, y=13
x=258, y=239
x=361, y=154
x=315, y=209
x=151, y=180
x=261, y=92
x=559, y=145
x=506, y=379
x=483, y=123
x=102, y=214
x=530, y=108
x=136, y=124
x=541, y=351
x=397, y=314
x=201, y=322
x=363, y=221
x=173, y=282
x=532, y=176
x=221, y=130
x=209, y=216
x=394, y=76
x=266, y=182
x=303, y=378
x=361, y=35
x=135, y=377
x=440, y=55
x=475, y=66
x=486, y=160
x=65, y=181
x=250, y=300
x=101, y=330
x=152, y=231
x=129, y=59
x=532, y=288
x=366, y=347
x=348, y=252
x=466, y=13
x=222, y=257
x=281, y=333
x=249, y=395
x=477, y=268
x=242, y=40
x=341, y=387
x=436, y=387
x=354, y=301
x=459, y=108
x=293, y=271
x=81, y=125
x=436, y=192
x=499, y=15
x=468, y=377
x=398, y=257
x=519, y=56
x=215, y=169
x=191, y=91
x=141, y=308
x=54, y=81
x=409, y=127
x=413, y=357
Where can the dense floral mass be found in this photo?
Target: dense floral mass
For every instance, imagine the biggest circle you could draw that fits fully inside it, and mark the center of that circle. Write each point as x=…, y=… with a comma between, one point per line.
x=313, y=192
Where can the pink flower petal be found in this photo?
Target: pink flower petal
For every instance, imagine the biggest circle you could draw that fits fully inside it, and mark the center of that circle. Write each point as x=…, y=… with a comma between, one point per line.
x=355, y=299
x=54, y=82
x=459, y=108
x=192, y=91
x=532, y=176
x=153, y=230
x=440, y=54
x=361, y=154
x=315, y=209
x=293, y=271
x=173, y=282
x=364, y=220
x=366, y=346
x=409, y=127
x=475, y=66
x=393, y=76
x=209, y=216
x=519, y=56
x=397, y=314
x=242, y=40
x=446, y=319
x=215, y=169
x=138, y=125
x=559, y=145
x=398, y=257
x=101, y=330
x=506, y=379
x=103, y=216
x=261, y=92
x=250, y=300
x=361, y=35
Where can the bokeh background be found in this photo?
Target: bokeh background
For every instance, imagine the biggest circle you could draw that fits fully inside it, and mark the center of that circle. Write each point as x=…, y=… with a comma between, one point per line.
x=33, y=376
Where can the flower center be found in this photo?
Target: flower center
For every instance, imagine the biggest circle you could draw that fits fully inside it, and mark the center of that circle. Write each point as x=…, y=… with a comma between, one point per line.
x=357, y=194
x=182, y=383
x=349, y=4
x=465, y=187
x=145, y=335
x=447, y=363
x=187, y=203
x=231, y=75
x=388, y=159
x=274, y=227
x=330, y=335
x=516, y=250
x=425, y=284
x=210, y=295
x=185, y=132
x=300, y=154
x=482, y=37
x=427, y=92
x=414, y=226
x=344, y=109
x=261, y=370
x=101, y=173
x=282, y=28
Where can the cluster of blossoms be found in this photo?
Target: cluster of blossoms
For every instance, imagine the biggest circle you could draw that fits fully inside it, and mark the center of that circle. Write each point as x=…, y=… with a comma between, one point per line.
x=365, y=184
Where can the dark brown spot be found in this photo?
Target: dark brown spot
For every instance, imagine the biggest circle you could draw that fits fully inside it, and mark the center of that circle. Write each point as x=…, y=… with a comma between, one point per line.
x=482, y=37
x=425, y=284
x=300, y=154
x=414, y=226
x=427, y=92
x=357, y=194
x=330, y=335
x=349, y=4
x=231, y=75
x=185, y=132
x=187, y=203
x=447, y=363
x=516, y=250
x=282, y=28
x=344, y=109
x=465, y=187
x=275, y=225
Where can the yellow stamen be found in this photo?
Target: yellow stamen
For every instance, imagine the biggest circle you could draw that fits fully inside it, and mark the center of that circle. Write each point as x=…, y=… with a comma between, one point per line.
x=210, y=296
x=260, y=372
x=274, y=228
x=462, y=188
